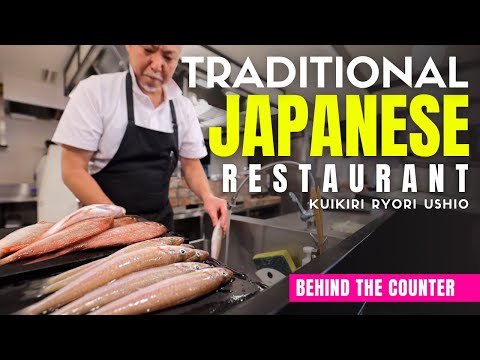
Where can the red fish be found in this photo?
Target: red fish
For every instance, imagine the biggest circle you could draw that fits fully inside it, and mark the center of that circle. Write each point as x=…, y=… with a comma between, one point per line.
x=76, y=232
x=22, y=237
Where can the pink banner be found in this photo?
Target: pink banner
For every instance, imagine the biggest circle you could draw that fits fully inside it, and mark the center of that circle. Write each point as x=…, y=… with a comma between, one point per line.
x=385, y=288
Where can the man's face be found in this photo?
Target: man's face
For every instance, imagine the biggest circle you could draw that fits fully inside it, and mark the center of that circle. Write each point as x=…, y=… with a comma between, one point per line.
x=153, y=65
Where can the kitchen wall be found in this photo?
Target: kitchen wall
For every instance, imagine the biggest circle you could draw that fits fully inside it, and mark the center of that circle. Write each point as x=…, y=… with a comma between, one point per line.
x=33, y=91
x=26, y=145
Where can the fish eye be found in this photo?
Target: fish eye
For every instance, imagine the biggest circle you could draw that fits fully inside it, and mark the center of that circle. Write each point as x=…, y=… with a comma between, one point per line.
x=182, y=251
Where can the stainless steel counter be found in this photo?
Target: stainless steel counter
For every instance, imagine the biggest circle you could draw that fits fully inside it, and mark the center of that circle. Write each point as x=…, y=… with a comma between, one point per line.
x=18, y=205
x=16, y=193
x=198, y=212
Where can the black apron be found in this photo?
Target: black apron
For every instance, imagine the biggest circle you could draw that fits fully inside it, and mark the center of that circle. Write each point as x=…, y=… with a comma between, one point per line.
x=138, y=176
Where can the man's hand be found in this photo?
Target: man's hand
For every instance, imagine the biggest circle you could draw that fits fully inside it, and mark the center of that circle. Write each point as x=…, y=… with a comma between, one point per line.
x=213, y=206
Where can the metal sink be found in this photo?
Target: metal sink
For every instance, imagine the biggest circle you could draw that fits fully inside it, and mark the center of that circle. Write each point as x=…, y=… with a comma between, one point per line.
x=250, y=236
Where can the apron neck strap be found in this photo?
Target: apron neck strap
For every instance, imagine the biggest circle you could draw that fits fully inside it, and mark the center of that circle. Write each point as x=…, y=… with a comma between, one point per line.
x=175, y=127
x=131, y=114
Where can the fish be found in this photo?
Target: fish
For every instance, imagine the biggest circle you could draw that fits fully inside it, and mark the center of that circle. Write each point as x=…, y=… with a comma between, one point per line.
x=107, y=271
x=68, y=273
x=57, y=282
x=124, y=220
x=168, y=293
x=84, y=213
x=126, y=285
x=173, y=240
x=74, y=233
x=23, y=237
x=216, y=241
x=200, y=255
x=116, y=236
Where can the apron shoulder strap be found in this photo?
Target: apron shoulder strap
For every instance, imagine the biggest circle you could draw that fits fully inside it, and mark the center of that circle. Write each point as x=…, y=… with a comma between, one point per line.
x=131, y=114
x=175, y=126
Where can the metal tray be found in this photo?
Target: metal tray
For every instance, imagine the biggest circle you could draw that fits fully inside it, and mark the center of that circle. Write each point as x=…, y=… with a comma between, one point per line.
x=17, y=278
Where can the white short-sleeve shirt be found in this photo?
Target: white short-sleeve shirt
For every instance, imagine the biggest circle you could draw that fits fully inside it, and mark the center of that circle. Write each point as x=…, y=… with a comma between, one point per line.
x=95, y=118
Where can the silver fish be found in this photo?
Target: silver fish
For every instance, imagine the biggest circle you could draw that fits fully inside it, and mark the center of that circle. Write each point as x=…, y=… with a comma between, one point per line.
x=168, y=293
x=57, y=282
x=200, y=255
x=110, y=270
x=216, y=241
x=126, y=285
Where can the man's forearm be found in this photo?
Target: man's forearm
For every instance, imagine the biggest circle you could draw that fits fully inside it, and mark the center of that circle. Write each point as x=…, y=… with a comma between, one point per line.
x=85, y=188
x=196, y=179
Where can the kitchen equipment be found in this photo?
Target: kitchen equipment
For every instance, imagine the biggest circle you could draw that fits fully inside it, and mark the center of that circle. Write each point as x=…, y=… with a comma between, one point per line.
x=55, y=200
x=233, y=201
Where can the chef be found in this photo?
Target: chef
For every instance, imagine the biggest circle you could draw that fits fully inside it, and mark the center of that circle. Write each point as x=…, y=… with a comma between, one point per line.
x=123, y=133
